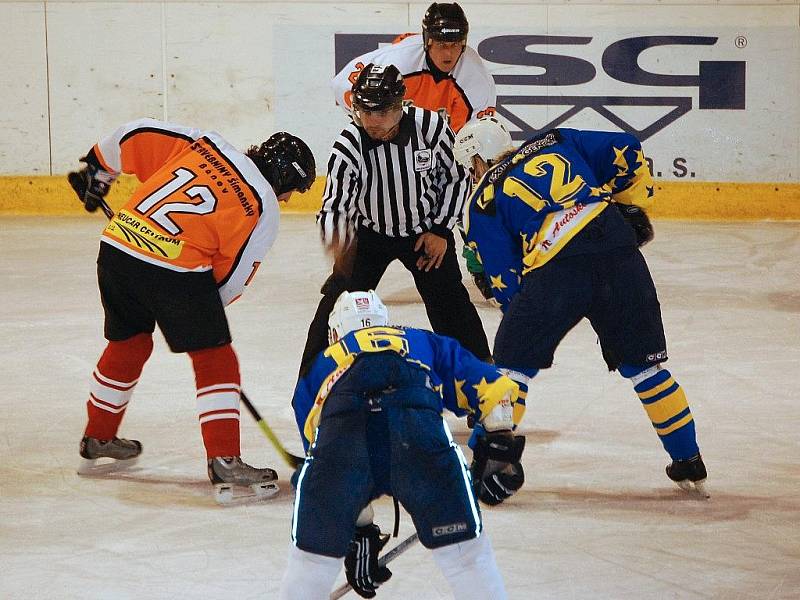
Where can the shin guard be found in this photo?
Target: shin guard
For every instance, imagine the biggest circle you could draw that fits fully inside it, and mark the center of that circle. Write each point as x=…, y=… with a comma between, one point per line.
x=665, y=403
x=113, y=382
x=217, y=379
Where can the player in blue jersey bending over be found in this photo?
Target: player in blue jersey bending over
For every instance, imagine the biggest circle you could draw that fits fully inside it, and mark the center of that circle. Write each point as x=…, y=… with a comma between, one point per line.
x=370, y=415
x=557, y=223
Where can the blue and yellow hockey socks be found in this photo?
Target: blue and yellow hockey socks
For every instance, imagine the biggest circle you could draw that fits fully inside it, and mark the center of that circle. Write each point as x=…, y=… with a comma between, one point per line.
x=665, y=403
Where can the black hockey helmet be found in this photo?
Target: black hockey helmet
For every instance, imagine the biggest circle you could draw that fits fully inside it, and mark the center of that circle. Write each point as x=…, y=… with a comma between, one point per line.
x=378, y=87
x=286, y=162
x=444, y=22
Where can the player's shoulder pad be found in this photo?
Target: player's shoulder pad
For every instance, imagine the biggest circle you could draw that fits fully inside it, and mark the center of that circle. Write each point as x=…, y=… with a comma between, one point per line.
x=407, y=55
x=473, y=64
x=531, y=147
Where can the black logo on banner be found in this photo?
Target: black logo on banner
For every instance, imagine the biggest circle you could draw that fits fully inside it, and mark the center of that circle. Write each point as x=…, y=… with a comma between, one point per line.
x=720, y=83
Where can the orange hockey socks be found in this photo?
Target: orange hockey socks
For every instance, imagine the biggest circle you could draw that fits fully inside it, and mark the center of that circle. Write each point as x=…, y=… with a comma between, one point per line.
x=216, y=373
x=112, y=385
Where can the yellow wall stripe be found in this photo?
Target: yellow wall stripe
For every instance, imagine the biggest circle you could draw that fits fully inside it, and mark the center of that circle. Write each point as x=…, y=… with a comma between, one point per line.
x=51, y=195
x=44, y=195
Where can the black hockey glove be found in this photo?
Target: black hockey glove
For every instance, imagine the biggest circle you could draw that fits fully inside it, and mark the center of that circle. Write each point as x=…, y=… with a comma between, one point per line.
x=483, y=285
x=92, y=184
x=638, y=220
x=496, y=471
x=361, y=562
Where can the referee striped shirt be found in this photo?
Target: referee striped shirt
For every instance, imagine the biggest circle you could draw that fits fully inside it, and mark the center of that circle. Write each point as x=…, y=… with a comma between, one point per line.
x=404, y=187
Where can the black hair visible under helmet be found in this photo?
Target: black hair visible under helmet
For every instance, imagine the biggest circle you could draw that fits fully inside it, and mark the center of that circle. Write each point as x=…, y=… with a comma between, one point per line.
x=378, y=87
x=286, y=162
x=444, y=22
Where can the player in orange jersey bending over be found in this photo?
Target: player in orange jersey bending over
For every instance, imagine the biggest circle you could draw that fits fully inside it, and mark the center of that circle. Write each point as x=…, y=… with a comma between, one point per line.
x=184, y=246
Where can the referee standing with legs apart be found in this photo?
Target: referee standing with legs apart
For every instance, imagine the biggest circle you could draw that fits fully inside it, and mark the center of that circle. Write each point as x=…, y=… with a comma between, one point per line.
x=394, y=183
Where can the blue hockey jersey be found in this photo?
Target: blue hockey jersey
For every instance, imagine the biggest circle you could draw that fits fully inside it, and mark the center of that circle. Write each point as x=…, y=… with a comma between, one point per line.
x=528, y=207
x=465, y=384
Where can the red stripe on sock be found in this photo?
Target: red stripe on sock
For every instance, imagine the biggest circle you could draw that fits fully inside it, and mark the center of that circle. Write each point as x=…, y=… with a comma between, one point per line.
x=108, y=404
x=230, y=411
x=112, y=385
x=217, y=391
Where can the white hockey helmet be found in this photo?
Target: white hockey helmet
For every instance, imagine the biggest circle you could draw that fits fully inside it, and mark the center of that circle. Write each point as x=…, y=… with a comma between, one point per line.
x=355, y=310
x=485, y=137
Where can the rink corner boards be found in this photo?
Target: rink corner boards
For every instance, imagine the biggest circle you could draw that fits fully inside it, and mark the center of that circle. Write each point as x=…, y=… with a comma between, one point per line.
x=715, y=201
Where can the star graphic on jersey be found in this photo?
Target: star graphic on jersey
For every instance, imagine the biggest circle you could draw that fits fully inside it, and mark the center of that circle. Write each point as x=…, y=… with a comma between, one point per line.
x=491, y=394
x=461, y=397
x=482, y=388
x=497, y=282
x=619, y=160
x=528, y=244
x=596, y=192
x=640, y=159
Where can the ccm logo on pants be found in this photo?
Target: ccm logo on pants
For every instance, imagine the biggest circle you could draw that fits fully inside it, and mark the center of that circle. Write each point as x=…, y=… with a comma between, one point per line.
x=449, y=529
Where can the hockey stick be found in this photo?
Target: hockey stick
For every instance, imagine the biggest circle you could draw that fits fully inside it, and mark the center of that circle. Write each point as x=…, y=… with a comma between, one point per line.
x=74, y=181
x=291, y=460
x=106, y=209
x=382, y=561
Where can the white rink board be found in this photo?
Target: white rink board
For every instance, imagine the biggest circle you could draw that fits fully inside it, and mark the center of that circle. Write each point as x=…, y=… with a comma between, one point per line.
x=105, y=69
x=246, y=69
x=24, y=144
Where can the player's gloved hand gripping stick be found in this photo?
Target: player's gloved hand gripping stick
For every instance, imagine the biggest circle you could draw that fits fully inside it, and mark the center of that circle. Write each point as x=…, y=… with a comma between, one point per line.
x=497, y=473
x=92, y=184
x=382, y=562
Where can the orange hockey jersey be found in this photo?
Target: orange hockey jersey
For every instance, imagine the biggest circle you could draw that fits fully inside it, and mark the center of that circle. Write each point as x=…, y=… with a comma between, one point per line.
x=202, y=204
x=465, y=93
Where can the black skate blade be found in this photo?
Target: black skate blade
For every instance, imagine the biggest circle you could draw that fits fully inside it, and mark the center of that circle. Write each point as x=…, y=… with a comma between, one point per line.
x=226, y=494
x=97, y=467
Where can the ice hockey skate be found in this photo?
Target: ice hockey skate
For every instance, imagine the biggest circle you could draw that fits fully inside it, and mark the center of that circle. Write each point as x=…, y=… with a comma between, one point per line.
x=690, y=475
x=99, y=457
x=235, y=481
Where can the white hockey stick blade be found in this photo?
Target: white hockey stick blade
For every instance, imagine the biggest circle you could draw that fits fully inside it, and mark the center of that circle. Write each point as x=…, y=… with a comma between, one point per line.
x=382, y=561
x=95, y=467
x=229, y=495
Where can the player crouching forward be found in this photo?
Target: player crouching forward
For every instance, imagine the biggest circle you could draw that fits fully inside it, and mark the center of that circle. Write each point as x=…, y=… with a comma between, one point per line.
x=558, y=223
x=185, y=244
x=370, y=410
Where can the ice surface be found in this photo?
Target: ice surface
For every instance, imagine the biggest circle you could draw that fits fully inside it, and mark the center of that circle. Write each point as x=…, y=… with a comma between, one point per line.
x=597, y=517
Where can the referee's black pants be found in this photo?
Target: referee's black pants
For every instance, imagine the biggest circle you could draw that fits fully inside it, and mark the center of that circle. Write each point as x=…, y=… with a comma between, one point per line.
x=446, y=300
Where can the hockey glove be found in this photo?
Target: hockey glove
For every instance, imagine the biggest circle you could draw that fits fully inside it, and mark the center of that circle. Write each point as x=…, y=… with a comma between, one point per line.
x=92, y=184
x=638, y=220
x=483, y=285
x=496, y=471
x=473, y=264
x=361, y=563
